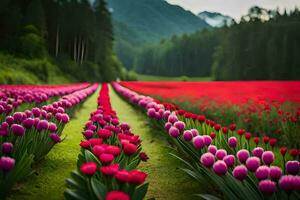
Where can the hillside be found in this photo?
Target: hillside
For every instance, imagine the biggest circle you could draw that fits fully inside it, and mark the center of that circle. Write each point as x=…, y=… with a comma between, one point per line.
x=138, y=22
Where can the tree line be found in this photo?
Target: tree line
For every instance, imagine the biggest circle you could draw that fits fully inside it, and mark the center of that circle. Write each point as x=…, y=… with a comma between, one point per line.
x=264, y=45
x=77, y=35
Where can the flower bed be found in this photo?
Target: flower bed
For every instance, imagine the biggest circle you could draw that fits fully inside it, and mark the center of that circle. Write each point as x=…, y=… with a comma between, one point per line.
x=12, y=97
x=110, y=153
x=26, y=137
x=275, y=113
x=224, y=159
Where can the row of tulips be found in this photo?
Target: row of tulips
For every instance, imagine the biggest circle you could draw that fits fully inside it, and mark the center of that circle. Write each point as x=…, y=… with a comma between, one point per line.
x=26, y=137
x=110, y=154
x=245, y=139
x=13, y=96
x=275, y=113
x=223, y=161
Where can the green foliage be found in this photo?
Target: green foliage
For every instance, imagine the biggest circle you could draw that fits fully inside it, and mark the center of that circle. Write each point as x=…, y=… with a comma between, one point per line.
x=184, y=55
x=32, y=44
x=15, y=70
x=76, y=35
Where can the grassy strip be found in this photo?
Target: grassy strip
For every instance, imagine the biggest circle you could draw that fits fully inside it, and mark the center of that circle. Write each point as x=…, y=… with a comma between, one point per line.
x=48, y=182
x=166, y=180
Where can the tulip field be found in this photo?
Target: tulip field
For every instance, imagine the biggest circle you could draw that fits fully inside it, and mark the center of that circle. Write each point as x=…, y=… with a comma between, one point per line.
x=233, y=140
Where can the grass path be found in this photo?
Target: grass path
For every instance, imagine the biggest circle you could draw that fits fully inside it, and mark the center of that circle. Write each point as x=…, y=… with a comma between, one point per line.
x=166, y=180
x=48, y=182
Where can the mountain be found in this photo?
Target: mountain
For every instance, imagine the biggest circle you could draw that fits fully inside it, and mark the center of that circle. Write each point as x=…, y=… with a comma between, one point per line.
x=215, y=19
x=140, y=22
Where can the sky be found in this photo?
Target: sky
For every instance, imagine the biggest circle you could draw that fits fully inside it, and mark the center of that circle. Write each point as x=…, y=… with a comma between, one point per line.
x=233, y=8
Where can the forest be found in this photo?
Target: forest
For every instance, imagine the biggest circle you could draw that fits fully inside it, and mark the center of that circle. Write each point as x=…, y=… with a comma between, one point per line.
x=68, y=39
x=264, y=45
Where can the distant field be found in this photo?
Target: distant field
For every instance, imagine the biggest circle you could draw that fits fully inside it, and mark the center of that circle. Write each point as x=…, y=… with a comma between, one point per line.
x=142, y=77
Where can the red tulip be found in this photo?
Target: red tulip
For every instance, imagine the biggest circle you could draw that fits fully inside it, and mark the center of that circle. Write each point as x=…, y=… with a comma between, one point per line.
x=283, y=150
x=273, y=142
x=117, y=195
x=85, y=144
x=106, y=158
x=143, y=156
x=232, y=127
x=212, y=135
x=122, y=176
x=248, y=136
x=129, y=148
x=294, y=152
x=88, y=168
x=137, y=177
x=266, y=139
x=241, y=132
x=96, y=141
x=256, y=140
x=110, y=170
x=225, y=130
x=104, y=133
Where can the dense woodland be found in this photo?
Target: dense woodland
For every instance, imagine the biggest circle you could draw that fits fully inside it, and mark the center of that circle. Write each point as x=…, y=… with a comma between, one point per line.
x=76, y=36
x=264, y=45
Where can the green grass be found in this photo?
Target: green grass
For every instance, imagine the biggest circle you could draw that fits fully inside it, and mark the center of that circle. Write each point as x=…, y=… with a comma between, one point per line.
x=142, y=77
x=166, y=180
x=48, y=182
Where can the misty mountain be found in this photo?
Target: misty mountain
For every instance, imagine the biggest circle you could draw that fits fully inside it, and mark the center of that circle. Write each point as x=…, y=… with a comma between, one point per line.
x=215, y=19
x=140, y=22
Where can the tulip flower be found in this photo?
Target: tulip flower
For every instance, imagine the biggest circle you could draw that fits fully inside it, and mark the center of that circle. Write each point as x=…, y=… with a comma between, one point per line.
x=7, y=163
x=122, y=176
x=143, y=156
x=137, y=177
x=174, y=132
x=212, y=149
x=262, y=172
x=98, y=150
x=114, y=150
x=104, y=133
x=221, y=153
x=258, y=151
x=55, y=138
x=198, y=142
x=117, y=195
x=268, y=157
x=229, y=160
x=18, y=130
x=179, y=125
x=220, y=167
x=129, y=149
x=294, y=153
x=243, y=155
x=207, y=159
x=106, y=158
x=240, y=172
x=252, y=163
x=267, y=187
x=275, y=173
x=287, y=183
x=88, y=168
x=232, y=142
x=292, y=167
x=7, y=147
x=187, y=135
x=95, y=141
x=256, y=140
x=110, y=170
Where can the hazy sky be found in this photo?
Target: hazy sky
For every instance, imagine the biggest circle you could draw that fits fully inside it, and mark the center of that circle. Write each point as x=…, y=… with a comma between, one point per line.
x=233, y=8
